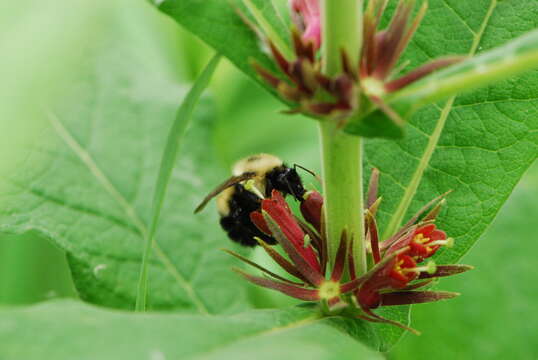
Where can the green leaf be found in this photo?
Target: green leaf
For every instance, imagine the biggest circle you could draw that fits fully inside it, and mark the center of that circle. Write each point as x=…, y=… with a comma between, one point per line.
x=273, y=27
x=87, y=183
x=503, y=62
x=471, y=327
x=478, y=144
x=375, y=124
x=513, y=58
x=218, y=24
x=71, y=330
x=168, y=161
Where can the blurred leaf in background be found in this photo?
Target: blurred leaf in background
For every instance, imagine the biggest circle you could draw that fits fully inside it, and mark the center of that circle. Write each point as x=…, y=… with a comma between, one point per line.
x=44, y=45
x=87, y=183
x=39, y=54
x=92, y=333
x=67, y=40
x=32, y=270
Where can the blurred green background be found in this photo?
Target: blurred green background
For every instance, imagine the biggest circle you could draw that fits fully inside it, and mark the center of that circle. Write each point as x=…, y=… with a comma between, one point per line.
x=496, y=316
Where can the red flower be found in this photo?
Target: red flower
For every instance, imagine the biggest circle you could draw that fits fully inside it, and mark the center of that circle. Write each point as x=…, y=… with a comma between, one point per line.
x=426, y=241
x=277, y=208
x=398, y=270
x=306, y=250
x=423, y=242
x=394, y=273
x=402, y=271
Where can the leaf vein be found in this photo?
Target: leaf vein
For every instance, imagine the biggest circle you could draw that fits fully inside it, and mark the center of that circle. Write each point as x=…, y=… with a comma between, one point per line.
x=102, y=179
x=412, y=187
x=458, y=15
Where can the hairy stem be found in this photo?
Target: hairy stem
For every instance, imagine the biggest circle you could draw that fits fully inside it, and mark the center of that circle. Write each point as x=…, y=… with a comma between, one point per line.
x=342, y=30
x=342, y=189
x=341, y=154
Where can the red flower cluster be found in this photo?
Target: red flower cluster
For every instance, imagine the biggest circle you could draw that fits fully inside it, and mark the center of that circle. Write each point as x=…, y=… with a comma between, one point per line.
x=400, y=264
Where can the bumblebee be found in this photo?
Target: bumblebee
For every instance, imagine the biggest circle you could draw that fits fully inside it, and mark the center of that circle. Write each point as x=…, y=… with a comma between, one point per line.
x=253, y=179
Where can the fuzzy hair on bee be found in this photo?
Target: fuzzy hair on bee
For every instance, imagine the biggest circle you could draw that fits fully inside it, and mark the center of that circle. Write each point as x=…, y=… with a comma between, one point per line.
x=253, y=179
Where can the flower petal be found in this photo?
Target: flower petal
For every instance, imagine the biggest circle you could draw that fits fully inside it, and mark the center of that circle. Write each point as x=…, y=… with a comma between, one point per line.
x=407, y=226
x=304, y=259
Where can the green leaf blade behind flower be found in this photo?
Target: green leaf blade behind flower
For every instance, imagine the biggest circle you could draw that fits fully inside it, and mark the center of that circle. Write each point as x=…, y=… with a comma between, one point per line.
x=295, y=333
x=501, y=63
x=86, y=183
x=515, y=57
x=478, y=144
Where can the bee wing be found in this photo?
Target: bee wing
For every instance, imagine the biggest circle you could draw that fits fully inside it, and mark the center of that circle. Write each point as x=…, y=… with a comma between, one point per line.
x=226, y=184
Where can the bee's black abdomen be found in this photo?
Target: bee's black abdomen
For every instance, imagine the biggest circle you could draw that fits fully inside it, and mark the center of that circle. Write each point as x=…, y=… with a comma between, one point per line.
x=237, y=223
x=237, y=203
x=242, y=232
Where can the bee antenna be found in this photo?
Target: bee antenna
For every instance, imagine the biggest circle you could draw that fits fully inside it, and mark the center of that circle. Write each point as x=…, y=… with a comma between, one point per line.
x=295, y=166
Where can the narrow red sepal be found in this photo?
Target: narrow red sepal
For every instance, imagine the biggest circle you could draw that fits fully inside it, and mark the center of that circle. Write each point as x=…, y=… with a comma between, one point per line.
x=259, y=267
x=340, y=259
x=290, y=290
x=282, y=261
x=415, y=297
x=446, y=270
x=388, y=321
x=374, y=237
x=421, y=72
x=281, y=61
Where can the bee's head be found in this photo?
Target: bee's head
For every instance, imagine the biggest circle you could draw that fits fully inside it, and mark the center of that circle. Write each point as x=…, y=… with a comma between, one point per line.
x=286, y=180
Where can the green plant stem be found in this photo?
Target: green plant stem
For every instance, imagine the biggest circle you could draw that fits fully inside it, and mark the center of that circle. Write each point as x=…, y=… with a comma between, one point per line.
x=342, y=190
x=342, y=30
x=341, y=154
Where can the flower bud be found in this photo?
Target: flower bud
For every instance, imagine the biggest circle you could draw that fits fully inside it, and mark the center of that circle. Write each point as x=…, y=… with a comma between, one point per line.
x=311, y=208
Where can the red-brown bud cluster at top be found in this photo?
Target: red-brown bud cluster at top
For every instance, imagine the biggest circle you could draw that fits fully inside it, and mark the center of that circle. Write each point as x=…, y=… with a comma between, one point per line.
x=400, y=264
x=375, y=75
